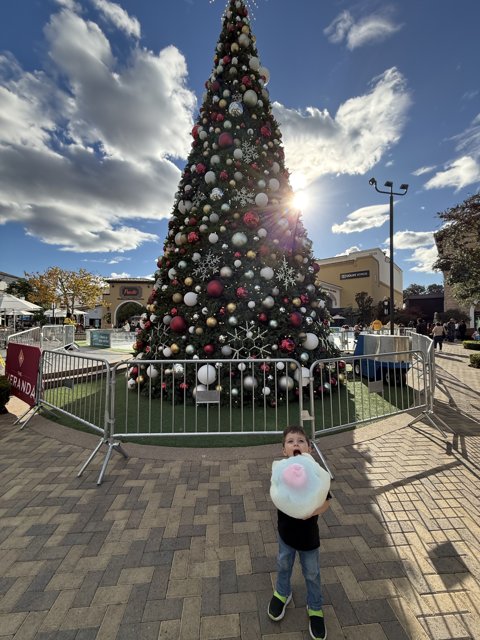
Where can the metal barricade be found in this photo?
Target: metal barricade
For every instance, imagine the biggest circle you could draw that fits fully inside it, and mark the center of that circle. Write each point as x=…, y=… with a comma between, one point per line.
x=184, y=398
x=57, y=336
x=352, y=390
x=30, y=337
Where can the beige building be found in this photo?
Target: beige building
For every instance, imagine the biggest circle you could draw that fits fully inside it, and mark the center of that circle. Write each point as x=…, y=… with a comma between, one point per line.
x=360, y=271
x=122, y=291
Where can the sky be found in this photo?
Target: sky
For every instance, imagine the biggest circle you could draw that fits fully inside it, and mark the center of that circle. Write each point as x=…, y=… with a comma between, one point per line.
x=98, y=99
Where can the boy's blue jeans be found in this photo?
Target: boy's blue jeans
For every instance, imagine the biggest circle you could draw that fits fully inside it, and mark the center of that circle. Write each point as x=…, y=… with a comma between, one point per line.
x=310, y=561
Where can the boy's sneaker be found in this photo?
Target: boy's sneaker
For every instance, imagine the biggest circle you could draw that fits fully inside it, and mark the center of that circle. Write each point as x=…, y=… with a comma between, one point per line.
x=277, y=606
x=317, y=625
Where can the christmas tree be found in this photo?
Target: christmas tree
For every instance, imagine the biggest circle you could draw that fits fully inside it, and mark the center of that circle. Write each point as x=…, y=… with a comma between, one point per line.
x=237, y=275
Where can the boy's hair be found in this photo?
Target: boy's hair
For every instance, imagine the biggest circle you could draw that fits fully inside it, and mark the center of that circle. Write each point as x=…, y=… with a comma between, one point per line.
x=294, y=429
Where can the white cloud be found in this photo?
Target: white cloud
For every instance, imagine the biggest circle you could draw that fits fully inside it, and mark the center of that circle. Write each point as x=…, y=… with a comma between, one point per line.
x=119, y=17
x=368, y=30
x=412, y=239
x=83, y=151
x=348, y=251
x=464, y=170
x=352, y=141
x=363, y=219
x=458, y=174
x=424, y=257
x=421, y=170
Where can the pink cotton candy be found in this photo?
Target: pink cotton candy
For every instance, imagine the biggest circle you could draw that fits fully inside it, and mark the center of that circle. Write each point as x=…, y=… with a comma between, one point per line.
x=295, y=476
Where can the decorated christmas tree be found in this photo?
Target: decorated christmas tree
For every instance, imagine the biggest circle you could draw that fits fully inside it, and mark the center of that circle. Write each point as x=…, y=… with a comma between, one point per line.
x=237, y=275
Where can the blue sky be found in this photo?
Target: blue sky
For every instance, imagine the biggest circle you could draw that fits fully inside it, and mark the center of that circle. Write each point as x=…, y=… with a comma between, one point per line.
x=97, y=101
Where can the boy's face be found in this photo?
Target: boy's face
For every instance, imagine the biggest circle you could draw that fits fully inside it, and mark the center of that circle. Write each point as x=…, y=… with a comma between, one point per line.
x=295, y=444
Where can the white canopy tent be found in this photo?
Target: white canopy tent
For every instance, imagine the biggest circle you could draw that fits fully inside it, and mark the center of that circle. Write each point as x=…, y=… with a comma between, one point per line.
x=62, y=313
x=13, y=306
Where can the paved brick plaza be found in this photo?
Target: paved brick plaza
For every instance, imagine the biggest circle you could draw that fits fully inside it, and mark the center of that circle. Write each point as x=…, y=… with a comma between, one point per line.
x=180, y=544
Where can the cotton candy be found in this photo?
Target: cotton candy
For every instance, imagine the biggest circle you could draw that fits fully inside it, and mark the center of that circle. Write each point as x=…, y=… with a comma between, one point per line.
x=299, y=485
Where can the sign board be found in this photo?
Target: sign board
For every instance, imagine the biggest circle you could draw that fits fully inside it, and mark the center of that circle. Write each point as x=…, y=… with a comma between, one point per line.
x=133, y=292
x=355, y=274
x=100, y=339
x=22, y=371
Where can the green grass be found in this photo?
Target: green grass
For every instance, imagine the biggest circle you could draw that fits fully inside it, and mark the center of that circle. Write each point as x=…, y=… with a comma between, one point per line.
x=351, y=403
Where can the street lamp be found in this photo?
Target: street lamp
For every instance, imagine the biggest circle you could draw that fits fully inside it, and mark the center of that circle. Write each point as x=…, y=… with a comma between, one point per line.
x=404, y=188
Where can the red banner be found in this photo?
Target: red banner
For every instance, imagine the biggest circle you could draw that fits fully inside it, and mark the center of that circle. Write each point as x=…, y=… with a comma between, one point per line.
x=22, y=371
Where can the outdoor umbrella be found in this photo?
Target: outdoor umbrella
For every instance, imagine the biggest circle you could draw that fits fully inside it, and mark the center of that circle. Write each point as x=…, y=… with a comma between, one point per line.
x=13, y=306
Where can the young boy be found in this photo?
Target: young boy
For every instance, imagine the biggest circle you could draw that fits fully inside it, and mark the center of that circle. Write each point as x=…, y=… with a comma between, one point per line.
x=300, y=536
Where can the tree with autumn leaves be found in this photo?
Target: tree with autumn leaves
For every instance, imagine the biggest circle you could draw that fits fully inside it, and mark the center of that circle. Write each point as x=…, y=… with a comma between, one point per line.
x=237, y=278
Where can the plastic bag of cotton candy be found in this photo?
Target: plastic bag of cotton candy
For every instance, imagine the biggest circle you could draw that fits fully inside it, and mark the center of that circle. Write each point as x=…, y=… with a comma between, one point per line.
x=299, y=485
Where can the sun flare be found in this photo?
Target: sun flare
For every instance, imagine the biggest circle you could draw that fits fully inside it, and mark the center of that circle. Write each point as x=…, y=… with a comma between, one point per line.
x=300, y=200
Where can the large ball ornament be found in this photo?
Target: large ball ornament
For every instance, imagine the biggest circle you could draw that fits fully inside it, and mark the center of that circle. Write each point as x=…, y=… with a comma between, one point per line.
x=254, y=63
x=266, y=391
x=268, y=302
x=167, y=352
x=249, y=382
x=231, y=306
x=310, y=342
x=261, y=199
x=152, y=372
x=250, y=98
x=264, y=73
x=131, y=384
x=267, y=273
x=244, y=40
x=215, y=288
x=226, y=351
x=226, y=272
x=210, y=177
x=235, y=109
x=211, y=322
x=190, y=299
x=178, y=324
x=299, y=485
x=207, y=374
x=296, y=319
x=238, y=154
x=239, y=239
x=225, y=140
x=213, y=238
x=274, y=184
x=215, y=159
x=286, y=383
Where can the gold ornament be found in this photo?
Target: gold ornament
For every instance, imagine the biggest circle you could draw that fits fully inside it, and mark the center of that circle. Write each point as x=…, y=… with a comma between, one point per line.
x=232, y=183
x=231, y=306
x=207, y=208
x=236, y=215
x=219, y=387
x=177, y=297
x=234, y=47
x=199, y=331
x=251, y=254
x=188, y=282
x=211, y=322
x=245, y=29
x=296, y=302
x=140, y=380
x=222, y=104
x=174, y=348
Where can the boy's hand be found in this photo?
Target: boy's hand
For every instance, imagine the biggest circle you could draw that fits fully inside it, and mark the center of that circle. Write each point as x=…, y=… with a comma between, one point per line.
x=321, y=509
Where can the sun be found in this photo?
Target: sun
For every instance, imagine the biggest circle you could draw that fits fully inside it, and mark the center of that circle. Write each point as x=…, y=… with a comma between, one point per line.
x=300, y=200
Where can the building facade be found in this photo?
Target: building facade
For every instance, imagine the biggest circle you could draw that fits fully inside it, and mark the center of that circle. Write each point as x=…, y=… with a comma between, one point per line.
x=123, y=291
x=367, y=271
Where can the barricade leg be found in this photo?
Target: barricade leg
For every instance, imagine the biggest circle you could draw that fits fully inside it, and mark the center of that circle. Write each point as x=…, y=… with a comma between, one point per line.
x=426, y=415
x=322, y=458
x=112, y=445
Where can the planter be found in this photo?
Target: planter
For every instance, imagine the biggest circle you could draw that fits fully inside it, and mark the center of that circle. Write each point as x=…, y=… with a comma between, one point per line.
x=5, y=388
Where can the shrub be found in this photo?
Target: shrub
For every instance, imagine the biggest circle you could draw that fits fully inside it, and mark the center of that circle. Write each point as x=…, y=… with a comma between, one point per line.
x=475, y=360
x=5, y=388
x=472, y=344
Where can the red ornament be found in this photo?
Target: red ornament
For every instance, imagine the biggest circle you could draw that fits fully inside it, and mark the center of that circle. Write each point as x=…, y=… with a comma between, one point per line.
x=226, y=59
x=192, y=221
x=192, y=237
x=215, y=288
x=251, y=219
x=242, y=292
x=209, y=349
x=215, y=86
x=178, y=324
x=174, y=311
x=265, y=131
x=201, y=168
x=246, y=80
x=287, y=345
x=195, y=131
x=225, y=140
x=262, y=317
x=296, y=319
x=316, y=267
x=223, y=175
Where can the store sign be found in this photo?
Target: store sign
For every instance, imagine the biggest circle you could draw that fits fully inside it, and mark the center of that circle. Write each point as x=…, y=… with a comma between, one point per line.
x=100, y=339
x=355, y=274
x=131, y=292
x=22, y=371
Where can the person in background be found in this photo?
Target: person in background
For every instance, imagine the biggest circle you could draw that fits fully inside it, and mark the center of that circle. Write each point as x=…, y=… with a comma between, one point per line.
x=69, y=319
x=126, y=326
x=450, y=328
x=438, y=334
x=476, y=335
x=462, y=330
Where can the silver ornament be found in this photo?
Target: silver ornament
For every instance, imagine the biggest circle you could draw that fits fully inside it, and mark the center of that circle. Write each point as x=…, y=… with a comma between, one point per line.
x=235, y=109
x=216, y=194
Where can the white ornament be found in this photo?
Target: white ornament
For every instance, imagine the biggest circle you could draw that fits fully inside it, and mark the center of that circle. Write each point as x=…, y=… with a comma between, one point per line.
x=261, y=199
x=239, y=239
x=207, y=374
x=250, y=98
x=274, y=184
x=267, y=273
x=152, y=372
x=302, y=376
x=210, y=177
x=213, y=238
x=286, y=383
x=310, y=342
x=254, y=63
x=190, y=298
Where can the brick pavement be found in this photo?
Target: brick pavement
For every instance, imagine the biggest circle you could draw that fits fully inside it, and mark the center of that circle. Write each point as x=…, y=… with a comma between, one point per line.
x=180, y=544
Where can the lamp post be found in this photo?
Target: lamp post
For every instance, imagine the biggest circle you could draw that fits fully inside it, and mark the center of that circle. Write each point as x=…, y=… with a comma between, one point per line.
x=404, y=188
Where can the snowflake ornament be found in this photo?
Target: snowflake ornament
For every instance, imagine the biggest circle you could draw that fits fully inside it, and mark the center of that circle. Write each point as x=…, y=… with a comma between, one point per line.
x=244, y=196
x=249, y=341
x=249, y=152
x=208, y=266
x=286, y=275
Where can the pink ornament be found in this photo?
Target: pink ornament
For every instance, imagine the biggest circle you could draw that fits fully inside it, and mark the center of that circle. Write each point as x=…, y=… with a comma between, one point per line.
x=242, y=292
x=192, y=237
x=223, y=175
x=251, y=219
x=201, y=168
x=287, y=345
